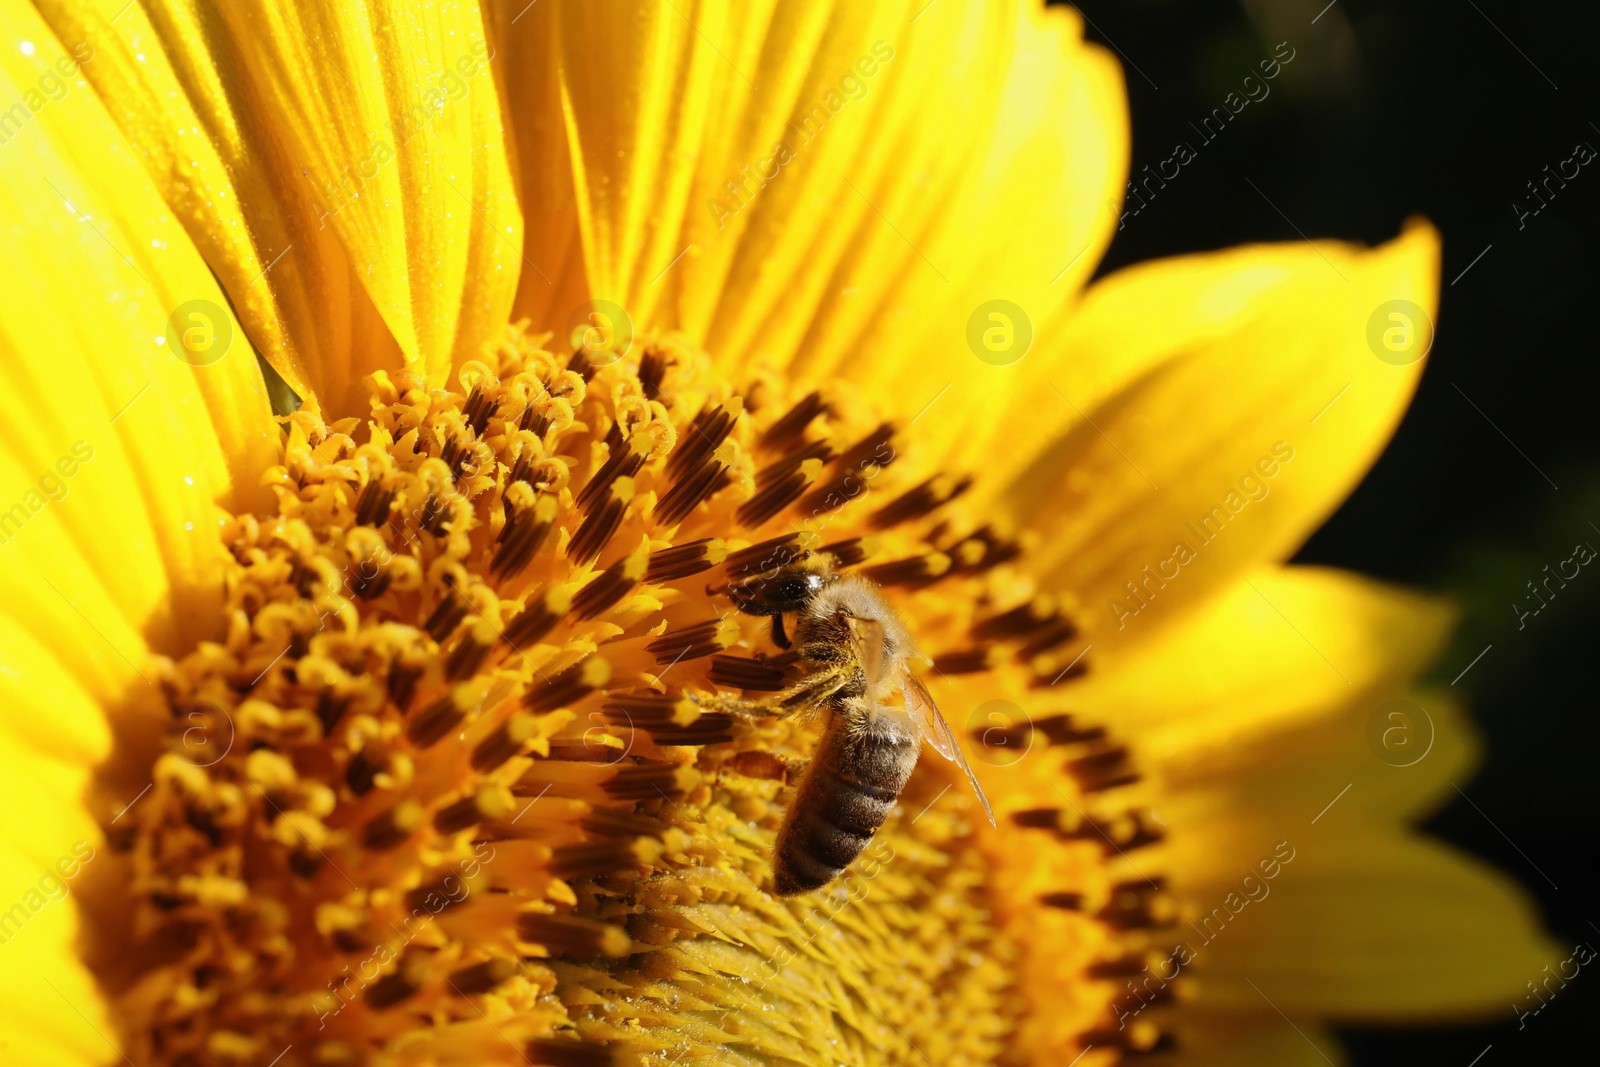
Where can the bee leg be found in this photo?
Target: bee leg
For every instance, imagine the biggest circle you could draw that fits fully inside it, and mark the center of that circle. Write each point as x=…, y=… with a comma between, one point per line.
x=794, y=768
x=756, y=763
x=749, y=710
x=808, y=694
x=779, y=638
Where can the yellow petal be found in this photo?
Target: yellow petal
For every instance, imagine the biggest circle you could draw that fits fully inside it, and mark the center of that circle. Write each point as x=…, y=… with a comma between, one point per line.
x=1345, y=914
x=834, y=188
x=1280, y=646
x=1025, y=223
x=1261, y=408
x=1370, y=924
x=50, y=1011
x=1246, y=1041
x=116, y=449
x=553, y=281
x=1340, y=769
x=342, y=168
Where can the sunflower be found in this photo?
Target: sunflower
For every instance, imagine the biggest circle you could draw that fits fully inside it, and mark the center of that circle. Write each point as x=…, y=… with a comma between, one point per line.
x=393, y=392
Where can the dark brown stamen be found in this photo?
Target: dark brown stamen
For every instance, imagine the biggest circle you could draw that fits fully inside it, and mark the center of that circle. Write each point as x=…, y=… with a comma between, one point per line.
x=372, y=506
x=694, y=641
x=434, y=722
x=1165, y=1045
x=625, y=462
x=570, y=686
x=924, y=499
x=995, y=550
x=770, y=555
x=524, y=534
x=681, y=561
x=569, y=935
x=773, y=498
x=1061, y=730
x=304, y=863
x=446, y=616
x=689, y=492
x=1120, y=833
x=1057, y=633
x=535, y=419
x=483, y=977
x=669, y=720
x=620, y=822
x=435, y=514
x=611, y=585
x=566, y=1052
x=738, y=672
x=793, y=422
x=703, y=436
x=581, y=365
x=470, y=651
x=649, y=781
x=364, y=767
x=402, y=982
x=969, y=661
x=1126, y=966
x=1139, y=1035
x=849, y=475
x=370, y=579
x=601, y=523
x=478, y=409
x=537, y=619
x=651, y=710
x=595, y=858
x=1139, y=906
x=652, y=372
x=914, y=571
x=489, y=802
x=595, y=746
x=404, y=674
x=851, y=552
x=712, y=728
x=330, y=709
x=1104, y=769
x=507, y=741
x=777, y=469
x=393, y=826
x=1020, y=621
x=1051, y=670
x=439, y=895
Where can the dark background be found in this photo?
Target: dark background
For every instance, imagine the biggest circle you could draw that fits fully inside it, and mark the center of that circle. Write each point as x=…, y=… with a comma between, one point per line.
x=1446, y=109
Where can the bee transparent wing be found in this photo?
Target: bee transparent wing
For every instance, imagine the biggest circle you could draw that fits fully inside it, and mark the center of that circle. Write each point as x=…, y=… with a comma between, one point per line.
x=867, y=636
x=919, y=703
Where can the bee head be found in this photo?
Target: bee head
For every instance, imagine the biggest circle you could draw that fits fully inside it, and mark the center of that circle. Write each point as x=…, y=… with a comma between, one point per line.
x=780, y=592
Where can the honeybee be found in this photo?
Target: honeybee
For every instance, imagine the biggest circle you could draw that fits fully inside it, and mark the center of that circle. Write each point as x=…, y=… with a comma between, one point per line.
x=855, y=651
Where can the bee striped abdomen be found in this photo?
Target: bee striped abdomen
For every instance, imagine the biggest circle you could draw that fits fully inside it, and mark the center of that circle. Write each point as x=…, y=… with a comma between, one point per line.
x=854, y=781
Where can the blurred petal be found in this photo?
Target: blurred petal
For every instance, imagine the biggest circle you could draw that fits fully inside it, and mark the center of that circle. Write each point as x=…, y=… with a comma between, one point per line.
x=1371, y=924
x=49, y=1006
x=1261, y=408
x=1283, y=645
x=1347, y=915
x=1256, y=1041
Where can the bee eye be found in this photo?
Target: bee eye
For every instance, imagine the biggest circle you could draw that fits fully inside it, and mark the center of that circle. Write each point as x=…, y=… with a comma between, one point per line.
x=790, y=589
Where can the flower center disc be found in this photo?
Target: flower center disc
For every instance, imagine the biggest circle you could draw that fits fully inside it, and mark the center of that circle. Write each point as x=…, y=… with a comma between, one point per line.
x=440, y=794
